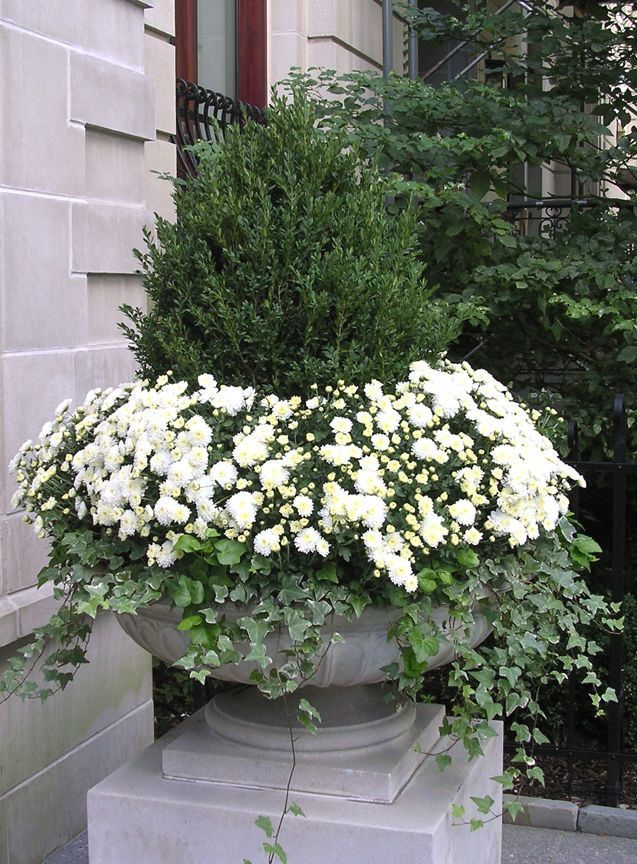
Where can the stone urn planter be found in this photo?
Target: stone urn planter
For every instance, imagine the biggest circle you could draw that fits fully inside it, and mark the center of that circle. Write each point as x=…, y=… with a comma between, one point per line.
x=361, y=715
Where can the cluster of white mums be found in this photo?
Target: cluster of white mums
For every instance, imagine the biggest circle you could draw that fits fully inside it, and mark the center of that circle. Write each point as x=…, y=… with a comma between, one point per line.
x=448, y=458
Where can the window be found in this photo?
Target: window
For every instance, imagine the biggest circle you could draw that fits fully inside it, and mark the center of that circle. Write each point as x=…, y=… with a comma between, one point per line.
x=221, y=44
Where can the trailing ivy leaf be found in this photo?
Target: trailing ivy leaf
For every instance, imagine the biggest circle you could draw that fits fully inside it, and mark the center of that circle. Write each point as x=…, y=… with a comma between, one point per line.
x=467, y=558
x=443, y=760
x=329, y=573
x=187, y=543
x=265, y=824
x=189, y=622
x=484, y=804
x=229, y=551
x=276, y=850
x=180, y=593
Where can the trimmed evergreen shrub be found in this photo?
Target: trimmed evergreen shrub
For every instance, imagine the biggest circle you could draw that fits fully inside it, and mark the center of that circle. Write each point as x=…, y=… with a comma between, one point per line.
x=283, y=269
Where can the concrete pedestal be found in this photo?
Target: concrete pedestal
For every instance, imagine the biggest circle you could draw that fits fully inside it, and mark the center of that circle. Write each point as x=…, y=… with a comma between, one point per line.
x=140, y=816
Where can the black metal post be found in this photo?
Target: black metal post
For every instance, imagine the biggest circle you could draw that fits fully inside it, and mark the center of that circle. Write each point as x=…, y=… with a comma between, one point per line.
x=412, y=47
x=614, y=777
x=388, y=37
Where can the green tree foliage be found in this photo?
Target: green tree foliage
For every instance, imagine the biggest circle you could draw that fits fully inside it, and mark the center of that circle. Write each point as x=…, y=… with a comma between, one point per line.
x=553, y=313
x=282, y=268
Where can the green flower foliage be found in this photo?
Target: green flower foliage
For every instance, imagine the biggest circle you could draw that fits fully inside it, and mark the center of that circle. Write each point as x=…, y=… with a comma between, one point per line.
x=282, y=268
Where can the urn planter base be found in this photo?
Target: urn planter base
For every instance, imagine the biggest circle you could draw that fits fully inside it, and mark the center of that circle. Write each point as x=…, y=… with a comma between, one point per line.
x=139, y=815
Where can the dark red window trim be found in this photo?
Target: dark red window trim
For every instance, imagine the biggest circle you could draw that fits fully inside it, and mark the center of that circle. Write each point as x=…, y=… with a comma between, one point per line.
x=252, y=55
x=186, y=39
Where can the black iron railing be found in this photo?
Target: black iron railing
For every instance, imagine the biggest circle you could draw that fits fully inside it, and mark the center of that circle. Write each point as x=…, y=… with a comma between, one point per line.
x=203, y=115
x=546, y=217
x=617, y=470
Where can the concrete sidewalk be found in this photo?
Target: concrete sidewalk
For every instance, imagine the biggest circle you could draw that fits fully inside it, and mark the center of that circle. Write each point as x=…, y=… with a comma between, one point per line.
x=519, y=846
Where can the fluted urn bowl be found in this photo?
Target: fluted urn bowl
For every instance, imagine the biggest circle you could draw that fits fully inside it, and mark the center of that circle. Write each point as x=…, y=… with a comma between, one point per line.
x=359, y=711
x=358, y=659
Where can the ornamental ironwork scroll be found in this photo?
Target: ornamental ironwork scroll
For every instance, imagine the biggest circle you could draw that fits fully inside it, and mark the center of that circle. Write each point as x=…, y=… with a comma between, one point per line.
x=204, y=115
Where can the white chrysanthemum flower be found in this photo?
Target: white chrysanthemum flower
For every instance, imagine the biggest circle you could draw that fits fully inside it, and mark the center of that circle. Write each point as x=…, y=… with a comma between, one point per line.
x=266, y=542
x=419, y=415
x=425, y=448
x=167, y=509
x=341, y=424
x=309, y=540
x=165, y=556
x=472, y=536
x=198, y=458
x=180, y=472
x=273, y=474
x=224, y=474
x=418, y=370
x=250, y=450
x=207, y=510
x=463, y=512
x=398, y=568
x=369, y=483
x=209, y=388
x=388, y=420
x=373, y=540
x=198, y=431
x=373, y=391
x=304, y=505
x=242, y=509
x=380, y=442
x=282, y=410
x=340, y=454
x=232, y=400
x=432, y=530
x=127, y=524
x=374, y=511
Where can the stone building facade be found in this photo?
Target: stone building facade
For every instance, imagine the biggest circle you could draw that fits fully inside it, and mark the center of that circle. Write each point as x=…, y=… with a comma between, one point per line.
x=86, y=115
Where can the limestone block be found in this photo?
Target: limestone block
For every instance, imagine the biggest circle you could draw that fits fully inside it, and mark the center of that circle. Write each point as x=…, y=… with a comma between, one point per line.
x=4, y=840
x=22, y=554
x=104, y=236
x=161, y=158
x=61, y=20
x=114, y=31
x=42, y=155
x=356, y=26
x=105, y=295
x=8, y=625
x=162, y=17
x=327, y=53
x=608, y=820
x=44, y=306
x=114, y=167
x=286, y=50
x=288, y=16
x=111, y=97
x=34, y=608
x=545, y=813
x=160, y=68
x=102, y=366
x=33, y=385
x=169, y=820
x=47, y=810
x=115, y=683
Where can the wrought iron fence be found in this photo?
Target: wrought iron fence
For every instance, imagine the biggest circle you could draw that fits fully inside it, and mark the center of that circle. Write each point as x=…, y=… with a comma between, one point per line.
x=204, y=115
x=617, y=471
x=546, y=217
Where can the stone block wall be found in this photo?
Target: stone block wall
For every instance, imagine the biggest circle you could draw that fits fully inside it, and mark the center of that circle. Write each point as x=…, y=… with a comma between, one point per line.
x=330, y=33
x=86, y=110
